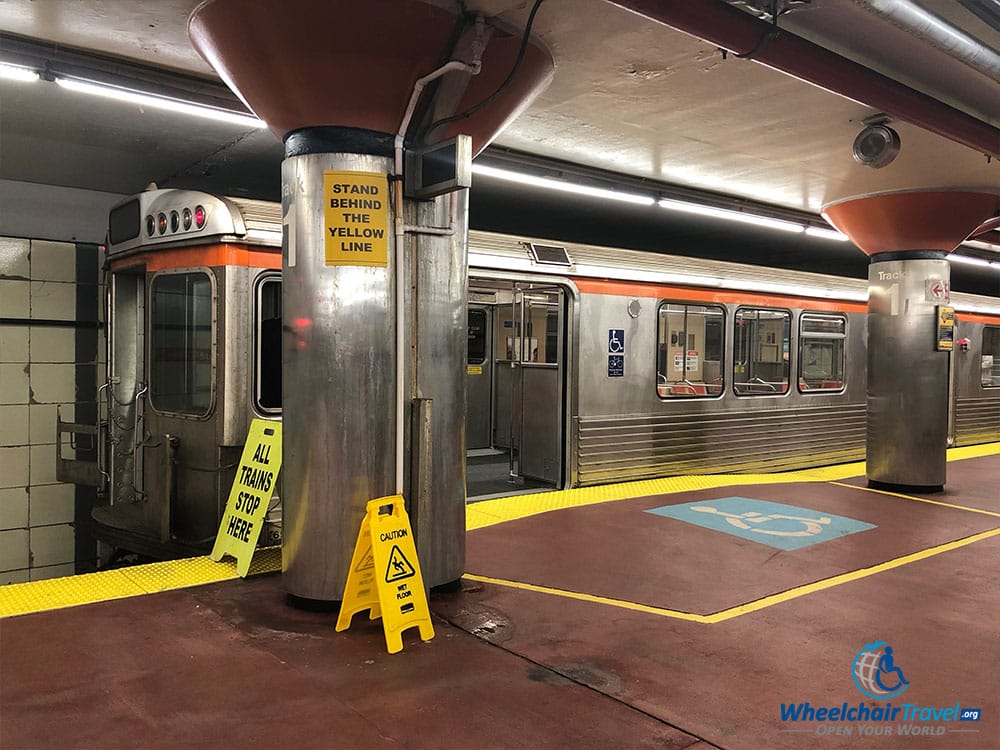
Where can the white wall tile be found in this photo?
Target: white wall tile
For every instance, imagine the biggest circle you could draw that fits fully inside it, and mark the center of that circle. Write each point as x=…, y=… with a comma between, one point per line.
x=51, y=503
x=52, y=344
x=43, y=464
x=53, y=384
x=14, y=384
x=14, y=296
x=53, y=571
x=42, y=422
x=53, y=300
x=14, y=549
x=14, y=257
x=14, y=576
x=53, y=261
x=14, y=467
x=14, y=508
x=51, y=545
x=13, y=426
x=13, y=344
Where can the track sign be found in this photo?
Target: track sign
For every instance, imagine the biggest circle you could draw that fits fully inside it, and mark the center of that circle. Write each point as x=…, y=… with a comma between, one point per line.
x=384, y=576
x=250, y=495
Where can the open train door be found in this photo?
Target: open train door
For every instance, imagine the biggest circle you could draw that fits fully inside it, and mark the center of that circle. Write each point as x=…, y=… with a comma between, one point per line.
x=534, y=347
x=516, y=387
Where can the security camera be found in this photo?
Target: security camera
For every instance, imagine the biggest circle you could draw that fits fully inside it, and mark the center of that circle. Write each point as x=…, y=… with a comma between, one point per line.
x=876, y=146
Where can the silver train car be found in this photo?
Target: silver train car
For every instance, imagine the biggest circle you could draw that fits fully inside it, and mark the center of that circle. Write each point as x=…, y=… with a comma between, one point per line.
x=585, y=365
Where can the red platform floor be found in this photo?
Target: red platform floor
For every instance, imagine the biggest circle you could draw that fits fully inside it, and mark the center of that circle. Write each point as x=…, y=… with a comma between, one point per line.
x=599, y=626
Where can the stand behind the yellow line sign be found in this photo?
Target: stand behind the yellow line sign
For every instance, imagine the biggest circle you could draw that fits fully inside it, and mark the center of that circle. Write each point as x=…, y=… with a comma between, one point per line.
x=384, y=576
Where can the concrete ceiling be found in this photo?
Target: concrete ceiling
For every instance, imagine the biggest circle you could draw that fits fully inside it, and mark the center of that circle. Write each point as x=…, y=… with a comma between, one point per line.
x=629, y=96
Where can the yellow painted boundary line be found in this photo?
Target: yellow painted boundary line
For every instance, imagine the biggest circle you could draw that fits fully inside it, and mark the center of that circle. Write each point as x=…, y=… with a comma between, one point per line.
x=918, y=499
x=119, y=583
x=758, y=604
x=491, y=512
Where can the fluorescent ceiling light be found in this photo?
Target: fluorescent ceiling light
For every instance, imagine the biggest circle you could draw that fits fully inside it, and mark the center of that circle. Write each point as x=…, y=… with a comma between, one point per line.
x=970, y=261
x=827, y=234
x=728, y=215
x=982, y=245
x=560, y=185
x=17, y=73
x=160, y=102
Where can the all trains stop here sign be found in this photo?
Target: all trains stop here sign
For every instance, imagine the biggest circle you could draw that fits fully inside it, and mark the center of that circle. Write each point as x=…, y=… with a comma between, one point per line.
x=250, y=495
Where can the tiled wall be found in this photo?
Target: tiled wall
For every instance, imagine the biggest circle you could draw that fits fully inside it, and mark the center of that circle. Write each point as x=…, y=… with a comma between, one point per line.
x=51, y=355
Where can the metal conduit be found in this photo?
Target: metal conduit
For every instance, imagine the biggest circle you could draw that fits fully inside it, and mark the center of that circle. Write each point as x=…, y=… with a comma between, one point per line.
x=935, y=30
x=739, y=32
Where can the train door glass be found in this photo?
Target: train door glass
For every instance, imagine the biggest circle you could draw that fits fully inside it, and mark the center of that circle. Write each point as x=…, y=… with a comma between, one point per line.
x=533, y=345
x=267, y=349
x=181, y=343
x=479, y=380
x=761, y=352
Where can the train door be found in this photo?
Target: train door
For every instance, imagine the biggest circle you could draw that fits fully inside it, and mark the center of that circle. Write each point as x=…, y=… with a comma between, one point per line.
x=516, y=392
x=529, y=394
x=181, y=452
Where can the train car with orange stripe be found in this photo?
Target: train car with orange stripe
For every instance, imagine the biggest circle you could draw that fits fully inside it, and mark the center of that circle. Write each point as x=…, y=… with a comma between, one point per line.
x=586, y=365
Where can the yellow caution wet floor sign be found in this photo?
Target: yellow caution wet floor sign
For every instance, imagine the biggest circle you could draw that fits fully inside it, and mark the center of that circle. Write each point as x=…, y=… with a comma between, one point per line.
x=250, y=495
x=384, y=576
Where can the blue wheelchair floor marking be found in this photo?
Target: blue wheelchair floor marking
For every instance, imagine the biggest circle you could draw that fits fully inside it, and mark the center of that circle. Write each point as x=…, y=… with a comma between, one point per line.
x=786, y=527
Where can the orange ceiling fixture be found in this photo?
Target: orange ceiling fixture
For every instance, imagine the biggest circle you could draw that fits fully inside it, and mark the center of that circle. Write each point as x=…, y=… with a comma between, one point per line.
x=917, y=220
x=350, y=63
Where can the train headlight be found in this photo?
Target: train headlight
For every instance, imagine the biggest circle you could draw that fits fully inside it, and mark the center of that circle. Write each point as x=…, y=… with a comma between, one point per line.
x=175, y=221
x=161, y=222
x=187, y=219
x=199, y=216
x=150, y=225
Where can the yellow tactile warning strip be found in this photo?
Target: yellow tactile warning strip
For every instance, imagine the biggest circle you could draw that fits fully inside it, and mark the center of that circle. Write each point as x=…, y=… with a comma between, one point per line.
x=56, y=593
x=508, y=509
x=490, y=512
x=37, y=596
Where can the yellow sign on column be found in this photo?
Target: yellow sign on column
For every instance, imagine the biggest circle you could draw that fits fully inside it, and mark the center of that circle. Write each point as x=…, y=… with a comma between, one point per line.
x=384, y=576
x=250, y=495
x=356, y=217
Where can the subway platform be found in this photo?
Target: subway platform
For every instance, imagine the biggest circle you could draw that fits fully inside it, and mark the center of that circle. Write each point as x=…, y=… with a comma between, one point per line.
x=796, y=610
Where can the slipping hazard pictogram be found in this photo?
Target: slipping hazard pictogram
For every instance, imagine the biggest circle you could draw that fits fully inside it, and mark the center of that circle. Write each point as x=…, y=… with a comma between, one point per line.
x=399, y=567
x=385, y=543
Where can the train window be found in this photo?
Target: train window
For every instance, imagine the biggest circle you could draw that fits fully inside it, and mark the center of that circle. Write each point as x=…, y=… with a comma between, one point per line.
x=477, y=337
x=689, y=350
x=760, y=356
x=990, y=357
x=181, y=343
x=822, y=357
x=267, y=357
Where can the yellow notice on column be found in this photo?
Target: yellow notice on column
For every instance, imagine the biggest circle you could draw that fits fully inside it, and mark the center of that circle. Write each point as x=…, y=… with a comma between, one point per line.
x=384, y=576
x=250, y=495
x=356, y=217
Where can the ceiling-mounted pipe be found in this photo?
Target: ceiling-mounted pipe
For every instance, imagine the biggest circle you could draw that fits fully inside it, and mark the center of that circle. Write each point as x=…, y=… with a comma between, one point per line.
x=937, y=32
x=741, y=33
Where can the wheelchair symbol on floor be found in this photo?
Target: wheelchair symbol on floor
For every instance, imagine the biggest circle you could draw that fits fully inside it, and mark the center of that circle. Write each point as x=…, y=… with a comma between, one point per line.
x=751, y=521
